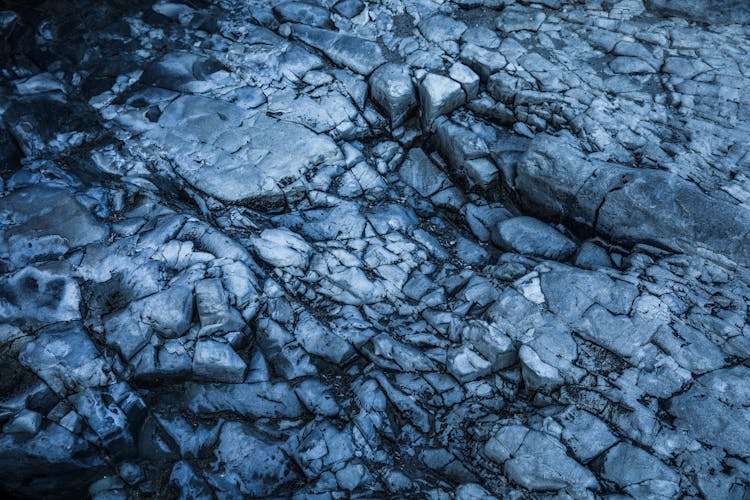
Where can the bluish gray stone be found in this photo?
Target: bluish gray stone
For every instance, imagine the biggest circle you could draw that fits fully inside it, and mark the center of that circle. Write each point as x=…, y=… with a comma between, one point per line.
x=530, y=236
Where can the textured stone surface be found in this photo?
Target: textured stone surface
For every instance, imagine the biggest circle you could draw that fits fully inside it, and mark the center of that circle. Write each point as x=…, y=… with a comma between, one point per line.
x=406, y=249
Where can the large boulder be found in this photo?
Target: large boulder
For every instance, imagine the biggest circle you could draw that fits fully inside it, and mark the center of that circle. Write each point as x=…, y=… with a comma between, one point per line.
x=629, y=205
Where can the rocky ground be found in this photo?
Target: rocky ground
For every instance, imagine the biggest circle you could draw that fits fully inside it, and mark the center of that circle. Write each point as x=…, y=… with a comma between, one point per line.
x=400, y=248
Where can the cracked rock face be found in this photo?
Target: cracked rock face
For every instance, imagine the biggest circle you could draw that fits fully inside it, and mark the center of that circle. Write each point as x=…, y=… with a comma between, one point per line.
x=375, y=249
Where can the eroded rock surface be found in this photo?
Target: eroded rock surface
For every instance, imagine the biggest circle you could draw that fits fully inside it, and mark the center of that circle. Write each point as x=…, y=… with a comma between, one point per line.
x=389, y=249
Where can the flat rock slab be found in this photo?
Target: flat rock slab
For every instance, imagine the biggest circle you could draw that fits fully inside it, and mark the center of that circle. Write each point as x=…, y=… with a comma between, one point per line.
x=240, y=158
x=33, y=227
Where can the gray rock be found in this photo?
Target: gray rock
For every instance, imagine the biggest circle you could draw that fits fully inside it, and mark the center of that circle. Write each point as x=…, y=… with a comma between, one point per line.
x=518, y=19
x=530, y=236
x=627, y=204
x=216, y=156
x=282, y=248
x=538, y=375
x=258, y=400
x=64, y=357
x=189, y=484
x=439, y=95
x=349, y=8
x=392, y=89
x=592, y=256
x=126, y=333
x=482, y=36
x=419, y=172
x=439, y=28
x=473, y=491
x=466, y=153
x=26, y=422
x=218, y=362
x=486, y=62
x=359, y=55
x=466, y=365
x=536, y=460
x=170, y=311
x=711, y=410
x=491, y=343
x=39, y=297
x=399, y=354
x=304, y=13
x=269, y=469
x=586, y=435
x=639, y=473
x=467, y=78
x=67, y=461
x=213, y=308
x=182, y=72
x=703, y=10
x=33, y=230
x=319, y=340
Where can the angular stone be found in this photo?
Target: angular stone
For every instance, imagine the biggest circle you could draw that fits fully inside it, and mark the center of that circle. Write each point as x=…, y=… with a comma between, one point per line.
x=37, y=297
x=213, y=308
x=491, y=343
x=419, y=172
x=538, y=375
x=585, y=434
x=639, y=473
x=170, y=311
x=485, y=62
x=467, y=78
x=541, y=464
x=516, y=18
x=26, y=422
x=236, y=160
x=218, y=362
x=440, y=28
x=466, y=365
x=126, y=333
x=319, y=340
x=269, y=469
x=404, y=356
x=439, y=95
x=182, y=72
x=32, y=224
x=629, y=205
x=481, y=172
x=712, y=410
x=349, y=8
x=259, y=400
x=67, y=460
x=392, y=89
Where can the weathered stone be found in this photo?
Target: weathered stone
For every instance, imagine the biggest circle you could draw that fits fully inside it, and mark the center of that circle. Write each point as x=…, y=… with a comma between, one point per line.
x=466, y=365
x=419, y=172
x=217, y=361
x=359, y=55
x=282, y=248
x=439, y=95
x=530, y=236
x=639, y=473
x=65, y=358
x=391, y=87
x=303, y=12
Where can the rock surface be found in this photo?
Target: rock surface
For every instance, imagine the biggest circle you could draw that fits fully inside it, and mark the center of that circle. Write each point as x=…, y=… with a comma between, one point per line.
x=406, y=249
